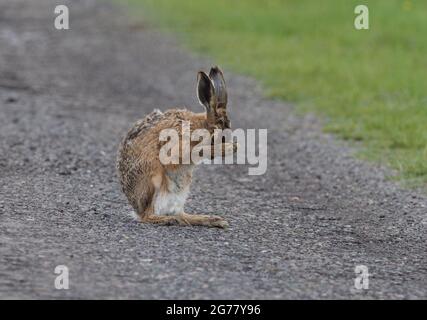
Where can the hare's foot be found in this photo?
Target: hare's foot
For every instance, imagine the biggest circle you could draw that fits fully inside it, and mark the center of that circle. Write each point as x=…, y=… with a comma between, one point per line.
x=161, y=220
x=203, y=220
x=185, y=219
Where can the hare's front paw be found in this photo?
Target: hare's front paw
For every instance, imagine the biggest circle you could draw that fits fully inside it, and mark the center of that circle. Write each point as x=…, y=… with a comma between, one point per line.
x=230, y=148
x=235, y=147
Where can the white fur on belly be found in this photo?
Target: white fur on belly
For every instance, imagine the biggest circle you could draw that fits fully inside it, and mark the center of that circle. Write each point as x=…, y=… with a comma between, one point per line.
x=167, y=203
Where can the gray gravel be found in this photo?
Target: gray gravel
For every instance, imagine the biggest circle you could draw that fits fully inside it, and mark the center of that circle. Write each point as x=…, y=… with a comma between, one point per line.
x=67, y=98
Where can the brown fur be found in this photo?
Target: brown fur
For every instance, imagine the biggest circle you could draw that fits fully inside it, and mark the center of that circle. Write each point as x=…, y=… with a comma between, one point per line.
x=144, y=178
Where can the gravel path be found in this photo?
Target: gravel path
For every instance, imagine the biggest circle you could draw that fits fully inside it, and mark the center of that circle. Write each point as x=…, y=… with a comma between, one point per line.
x=67, y=98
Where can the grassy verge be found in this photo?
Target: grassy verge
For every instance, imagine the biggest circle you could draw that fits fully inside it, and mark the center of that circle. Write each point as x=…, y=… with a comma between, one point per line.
x=371, y=85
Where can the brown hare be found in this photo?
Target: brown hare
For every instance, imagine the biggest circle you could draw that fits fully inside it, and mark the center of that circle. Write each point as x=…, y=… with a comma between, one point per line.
x=158, y=191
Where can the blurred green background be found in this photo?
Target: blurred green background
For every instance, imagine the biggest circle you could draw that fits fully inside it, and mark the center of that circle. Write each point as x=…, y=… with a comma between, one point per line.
x=369, y=85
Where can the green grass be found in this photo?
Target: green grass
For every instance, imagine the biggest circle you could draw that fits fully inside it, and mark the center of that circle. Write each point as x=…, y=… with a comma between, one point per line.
x=370, y=85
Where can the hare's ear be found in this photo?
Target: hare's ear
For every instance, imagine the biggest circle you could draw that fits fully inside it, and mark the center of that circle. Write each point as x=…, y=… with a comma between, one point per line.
x=206, y=91
x=219, y=84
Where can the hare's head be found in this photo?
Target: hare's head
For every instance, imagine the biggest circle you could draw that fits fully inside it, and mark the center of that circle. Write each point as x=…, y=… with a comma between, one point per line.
x=212, y=94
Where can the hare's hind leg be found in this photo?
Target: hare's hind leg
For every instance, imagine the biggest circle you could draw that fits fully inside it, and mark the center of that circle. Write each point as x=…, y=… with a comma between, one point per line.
x=185, y=219
x=162, y=220
x=157, y=209
x=204, y=220
x=145, y=203
x=167, y=208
